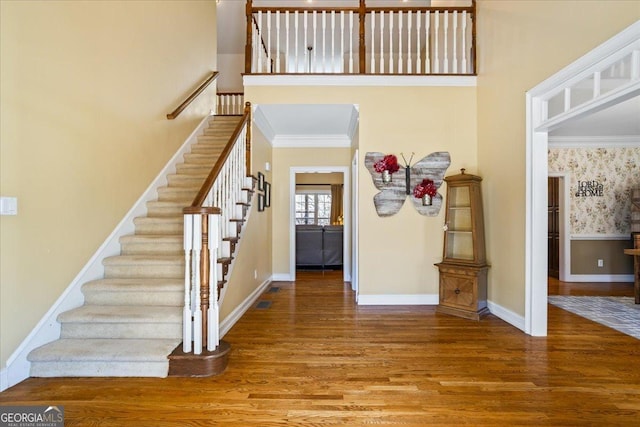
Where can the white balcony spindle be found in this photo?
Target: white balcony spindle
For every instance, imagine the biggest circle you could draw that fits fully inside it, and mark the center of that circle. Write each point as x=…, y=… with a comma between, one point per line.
x=286, y=44
x=324, y=40
x=463, y=38
x=333, y=41
x=314, y=50
x=268, y=52
x=391, y=69
x=409, y=25
x=295, y=46
x=418, y=35
x=436, y=31
x=400, y=59
x=351, y=42
x=277, y=68
x=381, y=59
x=341, y=66
x=373, y=42
x=259, y=47
x=186, y=312
x=427, y=44
x=455, y=44
x=445, y=39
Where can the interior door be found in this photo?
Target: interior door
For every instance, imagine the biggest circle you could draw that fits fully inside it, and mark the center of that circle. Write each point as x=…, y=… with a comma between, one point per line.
x=553, y=237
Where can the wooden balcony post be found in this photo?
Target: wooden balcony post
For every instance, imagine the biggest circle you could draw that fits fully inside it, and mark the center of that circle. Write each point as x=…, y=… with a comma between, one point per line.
x=474, y=67
x=247, y=111
x=362, y=13
x=248, y=49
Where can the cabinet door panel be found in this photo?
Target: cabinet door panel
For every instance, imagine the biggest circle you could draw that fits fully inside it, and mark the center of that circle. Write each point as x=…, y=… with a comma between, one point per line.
x=458, y=291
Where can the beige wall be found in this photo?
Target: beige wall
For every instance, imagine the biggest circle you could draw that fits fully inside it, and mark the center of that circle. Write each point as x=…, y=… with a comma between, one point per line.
x=283, y=160
x=85, y=87
x=252, y=267
x=521, y=43
x=396, y=253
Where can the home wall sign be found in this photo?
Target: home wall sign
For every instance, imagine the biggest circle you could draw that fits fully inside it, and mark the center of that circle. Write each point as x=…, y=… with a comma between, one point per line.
x=421, y=179
x=590, y=189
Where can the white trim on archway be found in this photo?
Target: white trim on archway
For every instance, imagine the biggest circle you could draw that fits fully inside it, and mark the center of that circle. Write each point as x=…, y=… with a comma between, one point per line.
x=592, y=69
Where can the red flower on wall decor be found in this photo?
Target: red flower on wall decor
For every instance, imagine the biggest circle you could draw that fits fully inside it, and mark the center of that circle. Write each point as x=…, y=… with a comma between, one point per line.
x=425, y=188
x=388, y=163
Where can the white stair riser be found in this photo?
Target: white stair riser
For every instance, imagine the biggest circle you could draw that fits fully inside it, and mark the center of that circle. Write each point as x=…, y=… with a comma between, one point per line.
x=174, y=299
x=122, y=330
x=100, y=369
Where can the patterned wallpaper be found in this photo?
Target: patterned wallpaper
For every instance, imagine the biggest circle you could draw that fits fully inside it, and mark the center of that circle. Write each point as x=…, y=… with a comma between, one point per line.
x=617, y=169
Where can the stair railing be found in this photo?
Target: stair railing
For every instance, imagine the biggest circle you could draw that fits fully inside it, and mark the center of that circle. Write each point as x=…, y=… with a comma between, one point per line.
x=230, y=103
x=207, y=222
x=175, y=113
x=362, y=40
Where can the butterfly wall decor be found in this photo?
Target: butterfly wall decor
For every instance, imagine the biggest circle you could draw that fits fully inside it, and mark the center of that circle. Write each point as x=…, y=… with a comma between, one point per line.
x=393, y=194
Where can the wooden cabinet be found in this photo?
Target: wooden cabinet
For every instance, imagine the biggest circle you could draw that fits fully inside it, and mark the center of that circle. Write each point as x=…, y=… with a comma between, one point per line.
x=463, y=270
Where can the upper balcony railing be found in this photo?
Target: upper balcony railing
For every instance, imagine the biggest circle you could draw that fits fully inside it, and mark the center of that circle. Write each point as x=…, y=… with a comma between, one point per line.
x=361, y=40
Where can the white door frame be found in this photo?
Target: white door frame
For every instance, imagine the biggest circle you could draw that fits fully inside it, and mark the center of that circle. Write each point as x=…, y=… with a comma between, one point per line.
x=591, y=66
x=346, y=206
x=354, y=230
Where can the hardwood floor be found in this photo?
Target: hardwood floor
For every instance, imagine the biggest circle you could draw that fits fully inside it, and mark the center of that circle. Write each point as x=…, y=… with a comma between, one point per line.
x=594, y=289
x=314, y=358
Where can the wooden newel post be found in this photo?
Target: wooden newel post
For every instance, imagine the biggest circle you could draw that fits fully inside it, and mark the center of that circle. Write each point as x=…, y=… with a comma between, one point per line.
x=248, y=112
x=248, y=48
x=362, y=13
x=204, y=276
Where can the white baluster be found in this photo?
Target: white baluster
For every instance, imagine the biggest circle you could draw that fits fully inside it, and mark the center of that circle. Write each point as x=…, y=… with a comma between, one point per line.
x=464, y=42
x=400, y=67
x=381, y=42
x=391, y=66
x=295, y=25
x=324, y=40
x=286, y=49
x=436, y=31
x=351, y=42
x=409, y=64
x=213, y=329
x=446, y=40
x=259, y=42
x=315, y=44
x=427, y=44
x=277, y=41
x=307, y=60
x=455, y=44
x=373, y=42
x=341, y=69
x=197, y=315
x=268, y=53
x=333, y=41
x=186, y=312
x=418, y=52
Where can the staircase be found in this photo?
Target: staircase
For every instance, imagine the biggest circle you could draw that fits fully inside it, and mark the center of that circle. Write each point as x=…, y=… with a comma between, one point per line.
x=131, y=319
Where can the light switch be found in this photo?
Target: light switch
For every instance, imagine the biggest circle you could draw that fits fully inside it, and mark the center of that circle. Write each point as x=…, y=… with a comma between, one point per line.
x=8, y=206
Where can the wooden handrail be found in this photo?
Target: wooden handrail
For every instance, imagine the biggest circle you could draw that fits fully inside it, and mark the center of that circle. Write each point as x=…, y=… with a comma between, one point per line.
x=211, y=178
x=194, y=95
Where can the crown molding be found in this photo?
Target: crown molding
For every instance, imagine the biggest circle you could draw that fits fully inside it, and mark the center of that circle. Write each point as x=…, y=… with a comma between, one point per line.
x=624, y=141
x=311, y=141
x=263, y=124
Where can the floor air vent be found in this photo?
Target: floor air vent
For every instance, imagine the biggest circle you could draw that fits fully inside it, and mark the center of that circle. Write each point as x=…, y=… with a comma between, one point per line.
x=263, y=304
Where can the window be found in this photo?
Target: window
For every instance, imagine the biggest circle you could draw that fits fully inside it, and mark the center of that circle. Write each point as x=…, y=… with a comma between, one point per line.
x=313, y=208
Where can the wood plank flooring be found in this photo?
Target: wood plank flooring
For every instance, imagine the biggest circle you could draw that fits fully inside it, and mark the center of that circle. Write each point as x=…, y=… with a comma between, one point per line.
x=315, y=359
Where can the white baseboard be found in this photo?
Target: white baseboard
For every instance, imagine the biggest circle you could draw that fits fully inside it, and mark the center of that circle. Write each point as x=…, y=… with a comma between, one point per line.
x=419, y=299
x=281, y=277
x=48, y=329
x=237, y=313
x=599, y=278
x=507, y=315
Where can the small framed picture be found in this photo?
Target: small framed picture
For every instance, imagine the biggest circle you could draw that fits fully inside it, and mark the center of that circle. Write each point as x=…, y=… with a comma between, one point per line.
x=260, y=181
x=267, y=194
x=260, y=202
